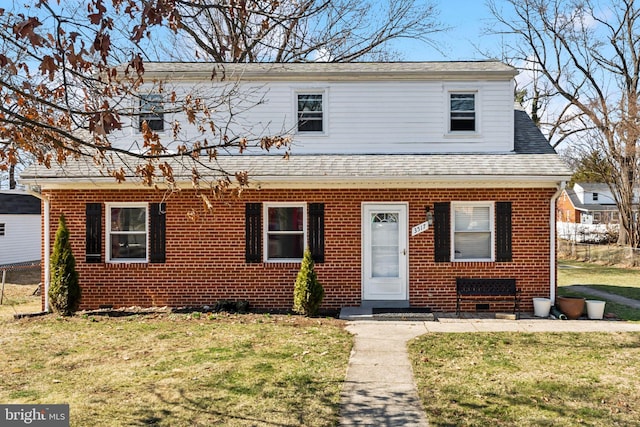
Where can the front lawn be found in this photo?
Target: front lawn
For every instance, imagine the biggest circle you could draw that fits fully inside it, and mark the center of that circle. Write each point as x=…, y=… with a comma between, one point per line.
x=520, y=379
x=178, y=369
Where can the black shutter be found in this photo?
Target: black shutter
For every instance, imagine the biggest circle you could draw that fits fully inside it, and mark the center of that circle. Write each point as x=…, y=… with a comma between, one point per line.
x=93, y=248
x=157, y=237
x=442, y=231
x=316, y=231
x=503, y=232
x=253, y=231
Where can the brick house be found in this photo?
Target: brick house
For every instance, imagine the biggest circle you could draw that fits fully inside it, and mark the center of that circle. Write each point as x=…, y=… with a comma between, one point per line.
x=402, y=177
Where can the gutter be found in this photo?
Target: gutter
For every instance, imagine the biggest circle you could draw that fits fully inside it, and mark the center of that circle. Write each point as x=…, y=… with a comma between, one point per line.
x=553, y=265
x=46, y=238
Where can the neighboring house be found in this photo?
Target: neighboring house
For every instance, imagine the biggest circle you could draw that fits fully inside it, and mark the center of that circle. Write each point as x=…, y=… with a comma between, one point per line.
x=587, y=213
x=379, y=149
x=20, y=228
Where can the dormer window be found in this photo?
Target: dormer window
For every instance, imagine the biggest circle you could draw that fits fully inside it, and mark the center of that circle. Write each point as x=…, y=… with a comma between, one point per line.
x=152, y=112
x=595, y=197
x=462, y=112
x=310, y=109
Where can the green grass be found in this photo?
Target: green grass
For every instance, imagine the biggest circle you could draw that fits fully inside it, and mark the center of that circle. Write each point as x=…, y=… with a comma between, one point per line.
x=615, y=280
x=542, y=379
x=584, y=273
x=178, y=370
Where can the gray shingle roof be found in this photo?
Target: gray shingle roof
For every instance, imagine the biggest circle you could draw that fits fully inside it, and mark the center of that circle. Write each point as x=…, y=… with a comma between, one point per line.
x=345, y=168
x=19, y=203
x=527, y=137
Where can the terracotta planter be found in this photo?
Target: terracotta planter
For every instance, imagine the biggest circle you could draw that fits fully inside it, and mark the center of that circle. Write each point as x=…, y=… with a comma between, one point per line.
x=572, y=307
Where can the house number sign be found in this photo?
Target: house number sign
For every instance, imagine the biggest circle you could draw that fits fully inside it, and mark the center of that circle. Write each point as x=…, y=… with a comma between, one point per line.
x=420, y=228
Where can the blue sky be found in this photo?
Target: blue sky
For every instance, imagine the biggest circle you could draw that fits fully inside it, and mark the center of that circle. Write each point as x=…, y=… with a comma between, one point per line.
x=467, y=19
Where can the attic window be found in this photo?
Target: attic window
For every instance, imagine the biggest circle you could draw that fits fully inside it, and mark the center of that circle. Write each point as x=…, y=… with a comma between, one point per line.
x=152, y=112
x=595, y=197
x=1, y=229
x=462, y=112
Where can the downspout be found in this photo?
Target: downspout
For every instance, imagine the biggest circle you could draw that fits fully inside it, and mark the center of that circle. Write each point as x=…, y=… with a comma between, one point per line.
x=553, y=252
x=46, y=238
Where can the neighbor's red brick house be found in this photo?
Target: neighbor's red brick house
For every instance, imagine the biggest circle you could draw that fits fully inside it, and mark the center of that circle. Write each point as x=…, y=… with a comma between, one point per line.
x=379, y=148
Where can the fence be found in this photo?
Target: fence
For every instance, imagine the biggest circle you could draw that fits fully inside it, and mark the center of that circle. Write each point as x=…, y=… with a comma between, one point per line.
x=588, y=233
x=606, y=254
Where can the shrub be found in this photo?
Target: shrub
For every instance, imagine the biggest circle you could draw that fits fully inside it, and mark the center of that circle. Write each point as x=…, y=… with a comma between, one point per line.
x=308, y=292
x=64, y=291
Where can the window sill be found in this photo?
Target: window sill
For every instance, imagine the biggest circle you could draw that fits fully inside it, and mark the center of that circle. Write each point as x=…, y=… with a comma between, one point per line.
x=462, y=135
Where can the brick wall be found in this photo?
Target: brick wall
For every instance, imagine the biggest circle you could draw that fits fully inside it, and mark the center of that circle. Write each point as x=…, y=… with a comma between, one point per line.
x=205, y=252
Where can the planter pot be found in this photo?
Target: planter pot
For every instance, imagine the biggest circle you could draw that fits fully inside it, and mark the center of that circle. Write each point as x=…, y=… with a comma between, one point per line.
x=595, y=309
x=541, y=307
x=572, y=307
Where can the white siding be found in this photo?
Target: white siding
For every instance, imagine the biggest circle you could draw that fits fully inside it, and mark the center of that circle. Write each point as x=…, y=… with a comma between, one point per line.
x=21, y=241
x=362, y=116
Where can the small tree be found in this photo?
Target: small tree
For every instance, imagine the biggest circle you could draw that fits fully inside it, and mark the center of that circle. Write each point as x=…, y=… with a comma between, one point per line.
x=64, y=292
x=308, y=292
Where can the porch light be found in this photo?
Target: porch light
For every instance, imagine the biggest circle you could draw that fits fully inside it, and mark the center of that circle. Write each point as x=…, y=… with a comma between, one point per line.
x=429, y=215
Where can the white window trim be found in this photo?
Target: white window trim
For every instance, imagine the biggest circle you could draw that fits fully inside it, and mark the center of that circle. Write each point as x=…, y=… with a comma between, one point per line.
x=265, y=229
x=477, y=110
x=325, y=107
x=492, y=230
x=108, y=207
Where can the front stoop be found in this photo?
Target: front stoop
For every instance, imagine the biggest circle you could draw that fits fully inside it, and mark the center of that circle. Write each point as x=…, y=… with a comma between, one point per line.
x=369, y=313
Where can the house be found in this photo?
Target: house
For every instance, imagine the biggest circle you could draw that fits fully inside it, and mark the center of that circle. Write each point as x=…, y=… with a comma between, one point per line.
x=402, y=178
x=587, y=213
x=20, y=232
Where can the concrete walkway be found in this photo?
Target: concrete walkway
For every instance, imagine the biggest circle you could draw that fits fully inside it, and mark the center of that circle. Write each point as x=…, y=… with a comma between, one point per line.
x=380, y=390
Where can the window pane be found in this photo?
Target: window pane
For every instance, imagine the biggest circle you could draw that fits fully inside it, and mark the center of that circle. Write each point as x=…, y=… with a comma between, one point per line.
x=128, y=246
x=472, y=218
x=472, y=246
x=128, y=219
x=286, y=246
x=462, y=102
x=309, y=103
x=286, y=219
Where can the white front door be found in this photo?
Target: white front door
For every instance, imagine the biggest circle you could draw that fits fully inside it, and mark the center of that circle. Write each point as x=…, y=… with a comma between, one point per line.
x=384, y=251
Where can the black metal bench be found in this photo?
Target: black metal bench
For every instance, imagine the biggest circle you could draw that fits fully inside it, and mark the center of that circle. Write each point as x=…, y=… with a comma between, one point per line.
x=487, y=291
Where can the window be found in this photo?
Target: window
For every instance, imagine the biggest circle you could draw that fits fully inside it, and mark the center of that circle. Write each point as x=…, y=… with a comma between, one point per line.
x=615, y=217
x=2, y=229
x=462, y=110
x=472, y=231
x=595, y=197
x=597, y=217
x=127, y=232
x=285, y=231
x=310, y=112
x=151, y=111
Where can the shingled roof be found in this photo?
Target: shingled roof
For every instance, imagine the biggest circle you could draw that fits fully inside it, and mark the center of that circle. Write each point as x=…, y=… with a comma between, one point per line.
x=14, y=203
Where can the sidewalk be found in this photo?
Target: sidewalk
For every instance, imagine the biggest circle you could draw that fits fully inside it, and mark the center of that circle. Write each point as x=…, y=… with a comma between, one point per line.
x=379, y=389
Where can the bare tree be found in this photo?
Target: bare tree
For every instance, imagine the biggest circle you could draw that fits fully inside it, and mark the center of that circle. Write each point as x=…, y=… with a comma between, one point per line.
x=306, y=30
x=587, y=52
x=69, y=74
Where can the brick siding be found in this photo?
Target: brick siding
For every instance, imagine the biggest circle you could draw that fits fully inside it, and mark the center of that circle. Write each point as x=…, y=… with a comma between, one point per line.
x=205, y=252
